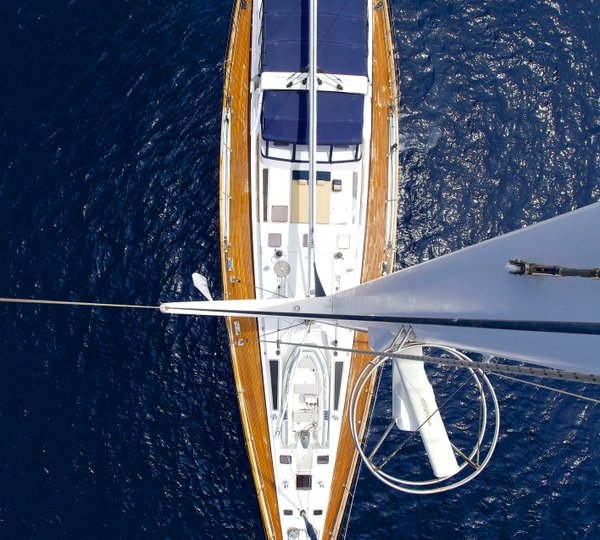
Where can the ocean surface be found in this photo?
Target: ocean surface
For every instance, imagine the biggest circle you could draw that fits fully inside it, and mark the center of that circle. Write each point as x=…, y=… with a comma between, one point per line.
x=124, y=423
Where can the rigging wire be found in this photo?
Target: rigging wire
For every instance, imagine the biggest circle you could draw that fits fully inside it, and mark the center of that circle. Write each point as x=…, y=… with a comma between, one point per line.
x=356, y=475
x=544, y=387
x=413, y=433
x=261, y=289
x=500, y=370
x=276, y=331
x=497, y=369
x=299, y=507
x=69, y=303
x=544, y=373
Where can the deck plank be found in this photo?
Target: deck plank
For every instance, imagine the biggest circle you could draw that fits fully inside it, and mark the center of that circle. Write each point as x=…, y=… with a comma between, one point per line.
x=238, y=283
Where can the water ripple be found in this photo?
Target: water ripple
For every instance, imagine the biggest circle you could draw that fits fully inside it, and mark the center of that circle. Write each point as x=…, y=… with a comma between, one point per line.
x=124, y=424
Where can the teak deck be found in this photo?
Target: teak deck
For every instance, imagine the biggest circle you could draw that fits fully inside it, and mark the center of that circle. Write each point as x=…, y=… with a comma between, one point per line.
x=238, y=277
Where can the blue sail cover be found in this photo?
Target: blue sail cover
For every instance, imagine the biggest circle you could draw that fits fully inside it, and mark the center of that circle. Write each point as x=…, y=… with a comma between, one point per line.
x=339, y=117
x=341, y=36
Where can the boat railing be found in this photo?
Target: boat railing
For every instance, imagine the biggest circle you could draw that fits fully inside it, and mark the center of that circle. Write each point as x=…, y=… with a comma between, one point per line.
x=298, y=153
x=393, y=161
x=393, y=66
x=392, y=194
x=239, y=7
x=225, y=173
x=233, y=31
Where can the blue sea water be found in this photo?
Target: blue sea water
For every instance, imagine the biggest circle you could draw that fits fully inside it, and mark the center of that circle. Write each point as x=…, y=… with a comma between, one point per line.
x=124, y=424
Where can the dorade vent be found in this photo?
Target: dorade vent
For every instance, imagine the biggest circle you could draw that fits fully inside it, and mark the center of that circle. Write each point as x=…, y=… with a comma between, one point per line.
x=303, y=482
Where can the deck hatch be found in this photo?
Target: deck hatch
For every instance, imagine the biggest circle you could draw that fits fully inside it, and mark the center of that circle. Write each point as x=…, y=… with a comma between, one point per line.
x=337, y=384
x=279, y=213
x=274, y=240
x=303, y=482
x=265, y=193
x=274, y=372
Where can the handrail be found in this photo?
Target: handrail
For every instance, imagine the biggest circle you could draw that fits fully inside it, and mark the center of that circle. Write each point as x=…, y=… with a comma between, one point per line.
x=393, y=173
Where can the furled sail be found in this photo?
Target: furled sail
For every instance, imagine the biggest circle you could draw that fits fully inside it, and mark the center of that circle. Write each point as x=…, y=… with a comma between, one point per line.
x=415, y=408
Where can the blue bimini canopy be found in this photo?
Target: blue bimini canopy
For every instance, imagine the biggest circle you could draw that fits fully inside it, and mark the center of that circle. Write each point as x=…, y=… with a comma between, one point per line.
x=341, y=36
x=339, y=117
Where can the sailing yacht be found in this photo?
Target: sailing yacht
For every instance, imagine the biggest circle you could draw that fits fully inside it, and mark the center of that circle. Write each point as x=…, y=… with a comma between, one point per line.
x=308, y=190
x=308, y=180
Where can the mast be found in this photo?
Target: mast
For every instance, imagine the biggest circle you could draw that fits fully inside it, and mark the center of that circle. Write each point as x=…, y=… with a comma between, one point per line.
x=312, y=143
